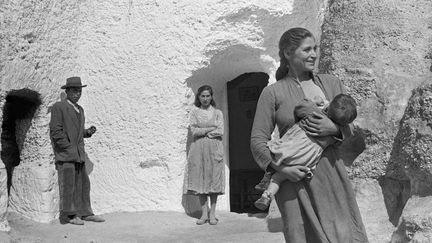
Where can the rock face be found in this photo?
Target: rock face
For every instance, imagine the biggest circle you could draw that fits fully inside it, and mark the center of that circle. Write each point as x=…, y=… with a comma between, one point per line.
x=412, y=155
x=412, y=152
x=142, y=62
x=381, y=50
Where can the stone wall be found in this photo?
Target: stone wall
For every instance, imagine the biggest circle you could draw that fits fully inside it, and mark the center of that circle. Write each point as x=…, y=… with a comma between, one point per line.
x=381, y=50
x=412, y=156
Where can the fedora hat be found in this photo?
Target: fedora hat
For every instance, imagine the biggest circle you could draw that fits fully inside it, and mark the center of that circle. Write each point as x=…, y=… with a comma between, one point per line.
x=73, y=82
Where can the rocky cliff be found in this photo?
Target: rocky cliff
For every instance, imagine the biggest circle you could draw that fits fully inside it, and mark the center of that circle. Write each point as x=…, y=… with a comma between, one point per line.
x=382, y=51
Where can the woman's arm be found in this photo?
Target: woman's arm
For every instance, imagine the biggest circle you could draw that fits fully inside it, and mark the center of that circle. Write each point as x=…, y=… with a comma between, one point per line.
x=218, y=132
x=263, y=126
x=319, y=124
x=293, y=173
x=195, y=129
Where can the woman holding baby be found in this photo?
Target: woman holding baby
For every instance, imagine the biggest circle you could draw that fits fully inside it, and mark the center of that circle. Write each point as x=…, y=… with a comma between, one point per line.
x=323, y=208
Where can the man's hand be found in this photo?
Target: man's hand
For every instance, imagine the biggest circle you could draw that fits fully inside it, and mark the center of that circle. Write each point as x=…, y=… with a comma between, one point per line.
x=92, y=130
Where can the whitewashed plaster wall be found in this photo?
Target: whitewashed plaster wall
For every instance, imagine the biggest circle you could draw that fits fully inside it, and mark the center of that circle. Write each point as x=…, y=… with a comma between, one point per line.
x=37, y=51
x=142, y=62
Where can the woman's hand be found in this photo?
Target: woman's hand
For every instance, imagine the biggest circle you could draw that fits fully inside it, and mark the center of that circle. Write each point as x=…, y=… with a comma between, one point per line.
x=210, y=129
x=319, y=125
x=294, y=173
x=213, y=134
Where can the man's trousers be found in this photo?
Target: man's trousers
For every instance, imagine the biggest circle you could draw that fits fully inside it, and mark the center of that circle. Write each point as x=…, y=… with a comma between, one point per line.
x=74, y=190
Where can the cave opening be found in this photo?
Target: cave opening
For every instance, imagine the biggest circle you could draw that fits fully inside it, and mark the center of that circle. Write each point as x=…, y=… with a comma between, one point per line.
x=20, y=105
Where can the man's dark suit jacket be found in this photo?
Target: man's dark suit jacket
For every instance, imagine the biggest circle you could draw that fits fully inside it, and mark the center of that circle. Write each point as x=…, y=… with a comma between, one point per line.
x=67, y=132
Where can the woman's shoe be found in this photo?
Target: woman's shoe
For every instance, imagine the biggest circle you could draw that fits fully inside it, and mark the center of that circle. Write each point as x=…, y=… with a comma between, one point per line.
x=213, y=221
x=201, y=221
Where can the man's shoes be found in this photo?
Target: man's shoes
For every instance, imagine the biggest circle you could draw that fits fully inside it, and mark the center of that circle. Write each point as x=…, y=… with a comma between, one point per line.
x=76, y=221
x=93, y=218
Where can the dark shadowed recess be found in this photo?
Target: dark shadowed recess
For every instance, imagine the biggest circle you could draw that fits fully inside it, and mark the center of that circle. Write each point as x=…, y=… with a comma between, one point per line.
x=20, y=105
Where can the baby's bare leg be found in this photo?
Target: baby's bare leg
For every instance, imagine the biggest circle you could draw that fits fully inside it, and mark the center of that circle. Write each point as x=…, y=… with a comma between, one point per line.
x=273, y=187
x=276, y=180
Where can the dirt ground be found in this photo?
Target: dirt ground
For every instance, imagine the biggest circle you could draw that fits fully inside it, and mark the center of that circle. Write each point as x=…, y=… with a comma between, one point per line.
x=145, y=227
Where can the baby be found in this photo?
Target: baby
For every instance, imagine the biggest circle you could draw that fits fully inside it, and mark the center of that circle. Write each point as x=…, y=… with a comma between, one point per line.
x=295, y=147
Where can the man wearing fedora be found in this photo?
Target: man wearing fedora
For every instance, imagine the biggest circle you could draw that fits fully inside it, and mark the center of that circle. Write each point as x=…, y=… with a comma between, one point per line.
x=67, y=134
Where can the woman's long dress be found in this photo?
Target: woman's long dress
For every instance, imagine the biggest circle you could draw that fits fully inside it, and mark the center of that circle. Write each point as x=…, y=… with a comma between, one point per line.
x=325, y=209
x=205, y=172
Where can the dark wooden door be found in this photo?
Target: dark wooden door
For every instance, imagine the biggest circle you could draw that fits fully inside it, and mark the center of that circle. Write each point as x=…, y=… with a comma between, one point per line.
x=243, y=94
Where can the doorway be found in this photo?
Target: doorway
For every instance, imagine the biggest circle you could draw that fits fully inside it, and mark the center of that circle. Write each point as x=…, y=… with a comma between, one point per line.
x=243, y=93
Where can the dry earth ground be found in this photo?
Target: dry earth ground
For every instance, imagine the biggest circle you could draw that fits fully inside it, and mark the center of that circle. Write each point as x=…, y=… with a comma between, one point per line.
x=145, y=227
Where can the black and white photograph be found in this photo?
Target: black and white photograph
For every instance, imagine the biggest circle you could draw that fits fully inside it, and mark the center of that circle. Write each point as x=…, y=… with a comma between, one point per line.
x=247, y=121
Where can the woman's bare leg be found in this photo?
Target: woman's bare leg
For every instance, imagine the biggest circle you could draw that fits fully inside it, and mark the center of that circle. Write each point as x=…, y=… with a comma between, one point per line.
x=204, y=206
x=213, y=200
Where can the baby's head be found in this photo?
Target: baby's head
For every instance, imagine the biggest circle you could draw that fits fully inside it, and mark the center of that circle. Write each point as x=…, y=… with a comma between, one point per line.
x=342, y=109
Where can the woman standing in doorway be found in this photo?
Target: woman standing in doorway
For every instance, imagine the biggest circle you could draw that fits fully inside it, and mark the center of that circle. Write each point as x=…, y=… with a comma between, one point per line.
x=323, y=209
x=206, y=169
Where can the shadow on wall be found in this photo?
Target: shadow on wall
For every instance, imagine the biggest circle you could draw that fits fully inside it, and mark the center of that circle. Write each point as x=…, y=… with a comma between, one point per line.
x=396, y=193
x=273, y=24
x=20, y=107
x=88, y=164
x=352, y=147
x=395, y=185
x=190, y=202
x=227, y=64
